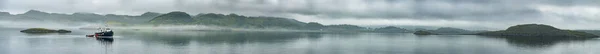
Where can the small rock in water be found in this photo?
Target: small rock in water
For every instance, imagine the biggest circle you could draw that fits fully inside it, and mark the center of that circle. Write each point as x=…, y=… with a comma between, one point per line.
x=423, y=33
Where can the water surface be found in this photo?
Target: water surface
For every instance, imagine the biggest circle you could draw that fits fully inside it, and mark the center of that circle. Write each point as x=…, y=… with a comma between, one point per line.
x=202, y=42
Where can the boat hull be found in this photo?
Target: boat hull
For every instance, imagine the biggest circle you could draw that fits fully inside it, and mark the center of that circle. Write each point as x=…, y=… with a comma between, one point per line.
x=101, y=34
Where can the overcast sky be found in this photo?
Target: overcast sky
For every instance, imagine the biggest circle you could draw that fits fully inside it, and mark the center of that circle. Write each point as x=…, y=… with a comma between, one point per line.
x=494, y=14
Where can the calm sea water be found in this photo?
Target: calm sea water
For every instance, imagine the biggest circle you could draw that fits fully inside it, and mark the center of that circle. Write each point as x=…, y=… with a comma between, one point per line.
x=199, y=42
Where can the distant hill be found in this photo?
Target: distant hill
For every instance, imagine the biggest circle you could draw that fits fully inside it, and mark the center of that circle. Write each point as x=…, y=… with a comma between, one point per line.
x=314, y=26
x=445, y=31
x=595, y=32
x=36, y=15
x=344, y=27
x=4, y=14
x=392, y=29
x=150, y=14
x=450, y=30
x=173, y=18
x=234, y=20
x=538, y=30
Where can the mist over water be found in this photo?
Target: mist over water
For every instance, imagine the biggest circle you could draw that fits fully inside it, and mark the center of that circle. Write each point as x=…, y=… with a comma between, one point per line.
x=35, y=24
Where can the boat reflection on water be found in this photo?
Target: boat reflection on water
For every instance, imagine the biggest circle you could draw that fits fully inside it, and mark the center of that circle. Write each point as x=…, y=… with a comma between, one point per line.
x=105, y=41
x=106, y=44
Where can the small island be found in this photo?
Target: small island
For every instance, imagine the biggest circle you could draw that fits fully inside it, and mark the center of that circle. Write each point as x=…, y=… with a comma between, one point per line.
x=44, y=30
x=423, y=33
x=445, y=31
x=538, y=30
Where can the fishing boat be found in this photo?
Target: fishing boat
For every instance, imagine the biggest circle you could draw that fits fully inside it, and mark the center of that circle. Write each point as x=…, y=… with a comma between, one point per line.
x=102, y=33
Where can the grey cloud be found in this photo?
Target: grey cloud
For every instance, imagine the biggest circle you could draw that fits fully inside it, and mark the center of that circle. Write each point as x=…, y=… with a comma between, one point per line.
x=571, y=2
x=126, y=2
x=2, y=2
x=179, y=3
x=417, y=9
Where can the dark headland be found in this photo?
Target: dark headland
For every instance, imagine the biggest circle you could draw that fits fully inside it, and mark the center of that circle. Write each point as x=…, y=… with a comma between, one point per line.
x=538, y=30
